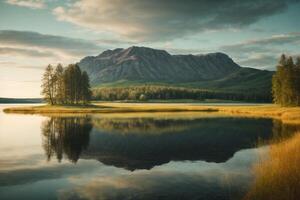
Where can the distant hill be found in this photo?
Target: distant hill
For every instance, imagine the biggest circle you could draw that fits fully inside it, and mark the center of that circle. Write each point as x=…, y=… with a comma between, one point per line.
x=142, y=65
x=21, y=100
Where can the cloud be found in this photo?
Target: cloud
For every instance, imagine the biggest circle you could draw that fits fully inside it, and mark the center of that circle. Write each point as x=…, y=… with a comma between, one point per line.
x=28, y=53
x=24, y=52
x=265, y=61
x=263, y=53
x=143, y=20
x=71, y=46
x=263, y=44
x=33, y=4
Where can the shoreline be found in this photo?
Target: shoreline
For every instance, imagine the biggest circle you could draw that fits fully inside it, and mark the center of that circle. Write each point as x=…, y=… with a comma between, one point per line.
x=286, y=114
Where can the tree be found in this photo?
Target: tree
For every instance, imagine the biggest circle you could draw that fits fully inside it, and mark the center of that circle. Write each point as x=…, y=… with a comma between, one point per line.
x=59, y=84
x=71, y=79
x=297, y=79
x=48, y=85
x=66, y=86
x=286, y=82
x=77, y=83
x=282, y=60
x=288, y=90
x=297, y=64
x=85, y=88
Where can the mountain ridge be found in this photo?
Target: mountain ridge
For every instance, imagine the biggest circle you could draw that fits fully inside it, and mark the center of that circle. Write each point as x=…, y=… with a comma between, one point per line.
x=147, y=66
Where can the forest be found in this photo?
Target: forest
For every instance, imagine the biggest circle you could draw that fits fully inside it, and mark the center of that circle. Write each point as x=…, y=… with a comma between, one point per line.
x=66, y=85
x=70, y=85
x=146, y=92
x=286, y=82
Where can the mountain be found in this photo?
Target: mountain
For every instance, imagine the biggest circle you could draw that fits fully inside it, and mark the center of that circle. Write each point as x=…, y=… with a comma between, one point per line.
x=141, y=65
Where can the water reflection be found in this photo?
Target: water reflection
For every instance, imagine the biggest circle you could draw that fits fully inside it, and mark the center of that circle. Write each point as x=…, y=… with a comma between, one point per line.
x=283, y=131
x=66, y=136
x=142, y=143
x=190, y=156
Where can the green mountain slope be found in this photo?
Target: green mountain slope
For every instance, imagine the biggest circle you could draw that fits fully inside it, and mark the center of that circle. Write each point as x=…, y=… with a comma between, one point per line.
x=145, y=66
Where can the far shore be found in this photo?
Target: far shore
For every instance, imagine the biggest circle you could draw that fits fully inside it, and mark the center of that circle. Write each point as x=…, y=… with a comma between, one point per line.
x=286, y=114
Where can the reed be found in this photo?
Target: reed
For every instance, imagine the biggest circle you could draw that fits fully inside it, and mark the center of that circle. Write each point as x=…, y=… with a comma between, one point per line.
x=277, y=177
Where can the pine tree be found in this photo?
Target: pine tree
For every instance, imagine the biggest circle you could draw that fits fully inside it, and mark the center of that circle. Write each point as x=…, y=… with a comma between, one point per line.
x=297, y=80
x=69, y=83
x=85, y=91
x=283, y=60
x=59, y=84
x=277, y=85
x=77, y=83
x=288, y=85
x=48, y=85
x=286, y=82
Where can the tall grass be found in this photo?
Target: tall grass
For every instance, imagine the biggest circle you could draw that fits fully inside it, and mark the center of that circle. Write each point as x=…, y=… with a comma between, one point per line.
x=278, y=176
x=289, y=115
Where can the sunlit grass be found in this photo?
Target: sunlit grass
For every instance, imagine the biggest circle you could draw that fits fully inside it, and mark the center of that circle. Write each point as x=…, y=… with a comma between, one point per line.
x=289, y=115
x=286, y=114
x=277, y=177
x=108, y=108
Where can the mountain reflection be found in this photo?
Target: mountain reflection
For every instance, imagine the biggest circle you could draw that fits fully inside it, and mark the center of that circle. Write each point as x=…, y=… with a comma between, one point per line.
x=66, y=136
x=142, y=143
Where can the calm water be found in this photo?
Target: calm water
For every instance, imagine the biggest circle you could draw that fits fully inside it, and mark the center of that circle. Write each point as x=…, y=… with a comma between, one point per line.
x=130, y=156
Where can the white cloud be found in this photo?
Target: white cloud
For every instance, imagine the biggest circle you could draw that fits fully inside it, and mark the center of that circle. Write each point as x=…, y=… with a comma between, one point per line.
x=156, y=20
x=33, y=4
x=36, y=46
x=264, y=53
x=24, y=55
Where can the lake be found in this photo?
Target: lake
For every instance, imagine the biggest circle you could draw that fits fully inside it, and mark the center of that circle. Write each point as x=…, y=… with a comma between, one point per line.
x=131, y=156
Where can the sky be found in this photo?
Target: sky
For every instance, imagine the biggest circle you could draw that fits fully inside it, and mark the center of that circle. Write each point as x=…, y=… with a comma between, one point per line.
x=35, y=33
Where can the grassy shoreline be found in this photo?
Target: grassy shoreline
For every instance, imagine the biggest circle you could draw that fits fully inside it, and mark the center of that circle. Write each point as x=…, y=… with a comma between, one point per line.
x=286, y=114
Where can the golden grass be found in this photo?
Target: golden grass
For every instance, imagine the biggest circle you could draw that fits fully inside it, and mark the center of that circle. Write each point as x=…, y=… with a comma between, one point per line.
x=105, y=108
x=286, y=114
x=278, y=176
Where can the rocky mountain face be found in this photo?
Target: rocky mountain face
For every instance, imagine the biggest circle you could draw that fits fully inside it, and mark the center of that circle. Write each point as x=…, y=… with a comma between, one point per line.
x=142, y=64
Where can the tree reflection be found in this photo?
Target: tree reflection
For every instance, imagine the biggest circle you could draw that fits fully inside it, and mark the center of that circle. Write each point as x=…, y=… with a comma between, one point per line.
x=67, y=136
x=135, y=143
x=142, y=143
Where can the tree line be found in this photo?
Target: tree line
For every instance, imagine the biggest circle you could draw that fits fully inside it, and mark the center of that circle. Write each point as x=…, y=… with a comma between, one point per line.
x=286, y=82
x=67, y=85
x=169, y=92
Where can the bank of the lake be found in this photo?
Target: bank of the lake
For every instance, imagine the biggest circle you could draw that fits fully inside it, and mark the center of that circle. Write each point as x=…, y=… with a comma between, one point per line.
x=286, y=114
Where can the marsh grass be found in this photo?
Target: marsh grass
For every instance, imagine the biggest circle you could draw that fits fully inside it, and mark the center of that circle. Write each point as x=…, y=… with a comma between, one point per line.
x=277, y=177
x=290, y=115
x=108, y=108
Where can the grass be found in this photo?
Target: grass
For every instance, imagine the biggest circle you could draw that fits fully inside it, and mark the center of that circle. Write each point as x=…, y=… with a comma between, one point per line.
x=278, y=177
x=286, y=114
x=105, y=108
